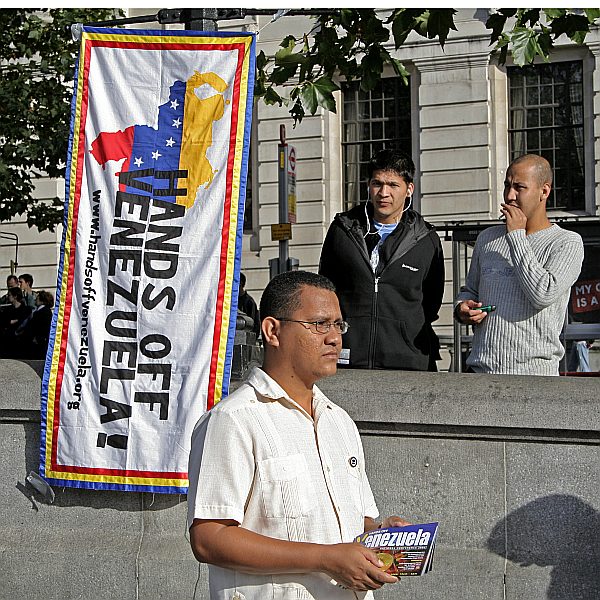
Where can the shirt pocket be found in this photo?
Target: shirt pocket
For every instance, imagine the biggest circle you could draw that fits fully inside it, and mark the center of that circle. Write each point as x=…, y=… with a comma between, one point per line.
x=284, y=483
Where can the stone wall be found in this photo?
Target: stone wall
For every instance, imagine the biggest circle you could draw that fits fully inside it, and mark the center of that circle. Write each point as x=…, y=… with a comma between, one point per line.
x=509, y=466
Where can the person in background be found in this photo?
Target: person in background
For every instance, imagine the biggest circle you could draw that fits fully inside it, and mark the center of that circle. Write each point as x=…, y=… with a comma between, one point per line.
x=33, y=333
x=26, y=285
x=579, y=357
x=247, y=305
x=387, y=265
x=278, y=489
x=12, y=281
x=525, y=269
x=16, y=314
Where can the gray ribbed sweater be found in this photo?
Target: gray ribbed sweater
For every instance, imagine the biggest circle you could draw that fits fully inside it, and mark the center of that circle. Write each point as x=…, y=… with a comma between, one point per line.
x=528, y=278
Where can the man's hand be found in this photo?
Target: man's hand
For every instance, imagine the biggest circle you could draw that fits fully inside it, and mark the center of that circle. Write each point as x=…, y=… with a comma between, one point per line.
x=515, y=217
x=224, y=543
x=394, y=522
x=468, y=312
x=354, y=567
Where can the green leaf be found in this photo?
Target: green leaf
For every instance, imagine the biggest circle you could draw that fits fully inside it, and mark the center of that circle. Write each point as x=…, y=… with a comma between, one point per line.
x=400, y=70
x=319, y=93
x=297, y=112
x=496, y=23
x=261, y=60
x=528, y=15
x=285, y=57
x=592, y=14
x=372, y=67
x=554, y=13
x=578, y=37
x=281, y=75
x=574, y=26
x=524, y=46
x=272, y=97
x=308, y=95
x=403, y=22
x=439, y=23
x=289, y=42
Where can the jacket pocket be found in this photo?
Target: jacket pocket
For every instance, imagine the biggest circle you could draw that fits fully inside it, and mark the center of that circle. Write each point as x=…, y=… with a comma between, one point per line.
x=284, y=484
x=407, y=338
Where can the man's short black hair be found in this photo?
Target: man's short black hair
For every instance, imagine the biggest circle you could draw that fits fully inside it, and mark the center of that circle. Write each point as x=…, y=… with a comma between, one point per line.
x=27, y=278
x=242, y=281
x=393, y=160
x=282, y=295
x=11, y=278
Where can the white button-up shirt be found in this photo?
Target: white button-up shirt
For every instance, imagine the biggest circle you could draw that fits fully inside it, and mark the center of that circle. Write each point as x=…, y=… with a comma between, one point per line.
x=259, y=458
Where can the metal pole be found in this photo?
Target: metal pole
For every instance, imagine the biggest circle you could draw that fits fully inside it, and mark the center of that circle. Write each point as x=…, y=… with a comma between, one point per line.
x=200, y=19
x=283, y=197
x=457, y=358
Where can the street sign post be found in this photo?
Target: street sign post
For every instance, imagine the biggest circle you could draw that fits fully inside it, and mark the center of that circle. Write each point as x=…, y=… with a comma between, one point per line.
x=282, y=232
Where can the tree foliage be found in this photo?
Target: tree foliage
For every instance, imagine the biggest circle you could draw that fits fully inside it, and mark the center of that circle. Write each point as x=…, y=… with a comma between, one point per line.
x=37, y=58
x=355, y=44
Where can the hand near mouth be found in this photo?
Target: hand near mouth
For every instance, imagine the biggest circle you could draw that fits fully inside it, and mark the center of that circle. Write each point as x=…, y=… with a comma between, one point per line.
x=515, y=217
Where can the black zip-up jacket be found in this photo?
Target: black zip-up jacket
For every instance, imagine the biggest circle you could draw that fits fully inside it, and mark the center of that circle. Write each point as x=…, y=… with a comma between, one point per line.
x=389, y=312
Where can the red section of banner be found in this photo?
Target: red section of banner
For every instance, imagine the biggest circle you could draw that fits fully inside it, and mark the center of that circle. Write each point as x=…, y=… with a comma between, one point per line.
x=72, y=252
x=224, y=239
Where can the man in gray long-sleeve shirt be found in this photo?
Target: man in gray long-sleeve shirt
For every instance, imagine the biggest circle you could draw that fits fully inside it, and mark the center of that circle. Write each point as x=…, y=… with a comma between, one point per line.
x=525, y=269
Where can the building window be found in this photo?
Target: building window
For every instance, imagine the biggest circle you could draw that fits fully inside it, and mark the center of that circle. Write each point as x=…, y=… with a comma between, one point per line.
x=546, y=118
x=372, y=121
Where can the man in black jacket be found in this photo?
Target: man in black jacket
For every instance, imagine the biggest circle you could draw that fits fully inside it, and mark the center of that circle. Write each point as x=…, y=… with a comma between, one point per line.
x=387, y=265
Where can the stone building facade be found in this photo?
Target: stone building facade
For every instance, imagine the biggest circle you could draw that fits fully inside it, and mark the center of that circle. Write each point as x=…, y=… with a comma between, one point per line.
x=462, y=117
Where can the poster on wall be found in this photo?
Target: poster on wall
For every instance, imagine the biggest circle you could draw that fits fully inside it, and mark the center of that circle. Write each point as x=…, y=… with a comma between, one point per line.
x=142, y=334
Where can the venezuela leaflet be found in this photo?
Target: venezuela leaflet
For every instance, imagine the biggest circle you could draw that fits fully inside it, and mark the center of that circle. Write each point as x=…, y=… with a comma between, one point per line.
x=403, y=550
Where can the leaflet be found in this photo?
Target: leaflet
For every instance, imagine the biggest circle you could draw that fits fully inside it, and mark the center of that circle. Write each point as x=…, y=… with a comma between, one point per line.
x=403, y=550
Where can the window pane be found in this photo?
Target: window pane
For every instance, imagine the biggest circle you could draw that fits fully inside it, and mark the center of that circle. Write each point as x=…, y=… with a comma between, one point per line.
x=548, y=120
x=381, y=119
x=533, y=118
x=546, y=117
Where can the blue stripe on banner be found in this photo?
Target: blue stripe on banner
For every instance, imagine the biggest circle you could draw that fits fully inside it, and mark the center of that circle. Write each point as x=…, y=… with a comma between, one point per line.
x=240, y=222
x=61, y=264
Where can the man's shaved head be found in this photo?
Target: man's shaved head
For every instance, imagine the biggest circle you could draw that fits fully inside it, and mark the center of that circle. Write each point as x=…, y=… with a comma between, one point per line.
x=541, y=166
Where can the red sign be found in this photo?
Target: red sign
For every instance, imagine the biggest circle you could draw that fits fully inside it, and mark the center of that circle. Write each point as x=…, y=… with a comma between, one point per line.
x=292, y=158
x=585, y=296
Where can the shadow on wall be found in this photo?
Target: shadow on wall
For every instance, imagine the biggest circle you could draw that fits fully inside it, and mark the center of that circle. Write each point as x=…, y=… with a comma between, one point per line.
x=560, y=531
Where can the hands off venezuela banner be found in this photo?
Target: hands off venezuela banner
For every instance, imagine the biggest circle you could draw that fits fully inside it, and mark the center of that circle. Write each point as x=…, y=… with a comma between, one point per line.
x=142, y=335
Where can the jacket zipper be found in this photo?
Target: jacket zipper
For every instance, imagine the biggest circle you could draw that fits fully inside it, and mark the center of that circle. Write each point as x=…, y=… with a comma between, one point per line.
x=373, y=325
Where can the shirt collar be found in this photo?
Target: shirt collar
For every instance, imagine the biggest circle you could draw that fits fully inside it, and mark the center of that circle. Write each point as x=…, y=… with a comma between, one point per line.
x=267, y=387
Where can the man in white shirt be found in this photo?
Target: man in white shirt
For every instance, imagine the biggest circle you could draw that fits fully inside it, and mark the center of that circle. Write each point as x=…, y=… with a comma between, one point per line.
x=278, y=488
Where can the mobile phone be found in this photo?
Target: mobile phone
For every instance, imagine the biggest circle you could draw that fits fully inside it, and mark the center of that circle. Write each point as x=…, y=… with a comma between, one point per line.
x=488, y=309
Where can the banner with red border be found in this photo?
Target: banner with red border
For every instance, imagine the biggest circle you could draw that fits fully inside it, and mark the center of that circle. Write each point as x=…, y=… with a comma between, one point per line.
x=142, y=335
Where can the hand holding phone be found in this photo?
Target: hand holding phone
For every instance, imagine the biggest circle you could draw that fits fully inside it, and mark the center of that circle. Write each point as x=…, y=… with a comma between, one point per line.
x=488, y=309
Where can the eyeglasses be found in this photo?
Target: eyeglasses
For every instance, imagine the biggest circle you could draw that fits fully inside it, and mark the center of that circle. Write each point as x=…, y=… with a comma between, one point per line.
x=321, y=326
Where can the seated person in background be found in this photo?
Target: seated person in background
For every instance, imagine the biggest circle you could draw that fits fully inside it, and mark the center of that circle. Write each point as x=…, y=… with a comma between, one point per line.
x=33, y=333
